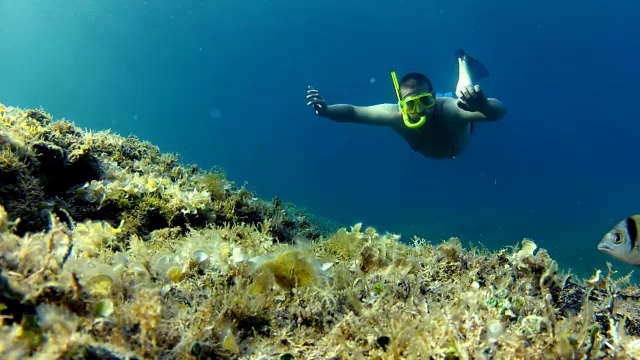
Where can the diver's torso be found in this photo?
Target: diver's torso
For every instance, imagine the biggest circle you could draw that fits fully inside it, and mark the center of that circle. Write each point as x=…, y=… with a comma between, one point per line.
x=438, y=138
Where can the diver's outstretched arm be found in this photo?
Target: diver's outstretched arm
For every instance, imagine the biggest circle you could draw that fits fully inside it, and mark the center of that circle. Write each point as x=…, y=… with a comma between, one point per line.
x=381, y=115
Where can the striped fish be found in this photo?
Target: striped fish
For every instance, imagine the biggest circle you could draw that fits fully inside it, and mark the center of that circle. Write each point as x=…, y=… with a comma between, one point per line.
x=621, y=242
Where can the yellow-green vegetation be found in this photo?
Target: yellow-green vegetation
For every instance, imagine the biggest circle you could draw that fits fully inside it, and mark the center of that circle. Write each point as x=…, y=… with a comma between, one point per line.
x=102, y=283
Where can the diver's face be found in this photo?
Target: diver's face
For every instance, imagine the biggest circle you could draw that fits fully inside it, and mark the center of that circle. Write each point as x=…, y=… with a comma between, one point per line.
x=423, y=109
x=428, y=112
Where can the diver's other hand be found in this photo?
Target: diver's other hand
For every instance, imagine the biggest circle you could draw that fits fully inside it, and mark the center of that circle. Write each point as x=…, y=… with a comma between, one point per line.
x=471, y=98
x=316, y=101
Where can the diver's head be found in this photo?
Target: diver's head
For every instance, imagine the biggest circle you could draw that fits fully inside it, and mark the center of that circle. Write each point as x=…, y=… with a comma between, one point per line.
x=417, y=95
x=414, y=83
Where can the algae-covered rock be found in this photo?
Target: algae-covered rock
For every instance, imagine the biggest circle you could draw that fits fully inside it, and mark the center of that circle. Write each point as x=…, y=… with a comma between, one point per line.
x=110, y=249
x=54, y=167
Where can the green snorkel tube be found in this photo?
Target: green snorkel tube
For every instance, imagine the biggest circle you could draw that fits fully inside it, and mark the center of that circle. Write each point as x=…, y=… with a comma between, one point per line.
x=405, y=116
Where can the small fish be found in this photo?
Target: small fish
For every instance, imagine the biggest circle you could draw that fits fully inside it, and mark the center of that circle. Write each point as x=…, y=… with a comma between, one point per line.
x=621, y=242
x=470, y=70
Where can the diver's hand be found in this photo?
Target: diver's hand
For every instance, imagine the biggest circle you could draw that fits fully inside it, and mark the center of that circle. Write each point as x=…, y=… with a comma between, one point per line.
x=471, y=98
x=316, y=101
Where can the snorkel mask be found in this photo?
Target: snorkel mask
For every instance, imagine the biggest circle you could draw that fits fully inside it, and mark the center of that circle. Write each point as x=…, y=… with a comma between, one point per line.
x=413, y=104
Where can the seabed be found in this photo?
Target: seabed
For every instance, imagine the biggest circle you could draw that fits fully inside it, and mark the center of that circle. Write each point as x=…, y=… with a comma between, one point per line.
x=111, y=249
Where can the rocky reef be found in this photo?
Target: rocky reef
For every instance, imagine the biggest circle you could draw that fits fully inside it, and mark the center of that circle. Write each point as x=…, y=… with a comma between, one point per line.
x=111, y=249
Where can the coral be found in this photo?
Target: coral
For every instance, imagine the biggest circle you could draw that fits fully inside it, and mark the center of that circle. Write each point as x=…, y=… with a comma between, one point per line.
x=139, y=257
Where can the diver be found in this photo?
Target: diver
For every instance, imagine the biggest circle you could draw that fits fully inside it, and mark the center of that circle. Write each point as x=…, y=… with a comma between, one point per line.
x=437, y=127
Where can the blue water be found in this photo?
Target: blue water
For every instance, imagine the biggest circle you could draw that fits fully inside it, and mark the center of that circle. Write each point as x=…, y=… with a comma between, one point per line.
x=223, y=83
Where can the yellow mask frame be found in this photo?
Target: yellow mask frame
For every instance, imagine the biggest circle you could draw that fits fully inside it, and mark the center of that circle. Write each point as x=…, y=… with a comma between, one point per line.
x=412, y=105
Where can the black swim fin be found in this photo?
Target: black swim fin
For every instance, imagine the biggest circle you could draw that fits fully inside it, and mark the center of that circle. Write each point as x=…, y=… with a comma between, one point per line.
x=476, y=69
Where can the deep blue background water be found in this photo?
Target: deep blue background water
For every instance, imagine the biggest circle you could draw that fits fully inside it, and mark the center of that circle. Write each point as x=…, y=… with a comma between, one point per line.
x=223, y=84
